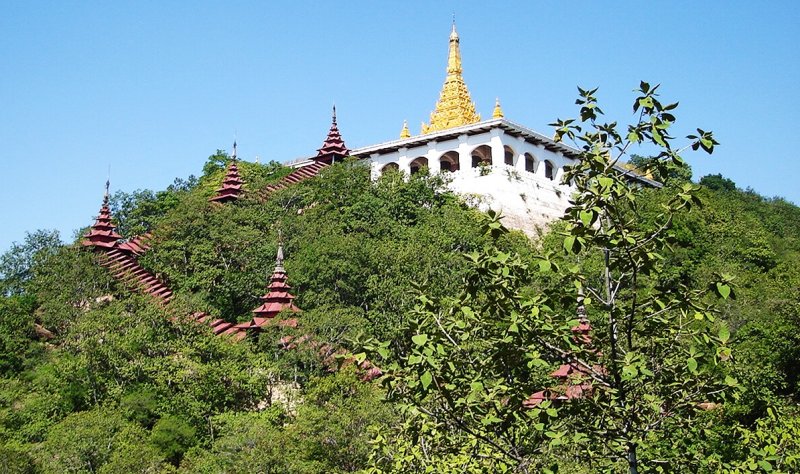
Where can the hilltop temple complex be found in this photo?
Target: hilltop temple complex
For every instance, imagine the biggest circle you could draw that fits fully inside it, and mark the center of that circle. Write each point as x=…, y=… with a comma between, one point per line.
x=495, y=163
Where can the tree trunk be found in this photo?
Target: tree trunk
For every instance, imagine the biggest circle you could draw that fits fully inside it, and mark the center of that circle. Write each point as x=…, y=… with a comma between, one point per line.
x=633, y=462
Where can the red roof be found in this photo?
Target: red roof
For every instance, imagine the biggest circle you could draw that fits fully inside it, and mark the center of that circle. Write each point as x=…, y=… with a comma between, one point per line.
x=575, y=379
x=137, y=245
x=333, y=147
x=231, y=185
x=296, y=176
x=102, y=234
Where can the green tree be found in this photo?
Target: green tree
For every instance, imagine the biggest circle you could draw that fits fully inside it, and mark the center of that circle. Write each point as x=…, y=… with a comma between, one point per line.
x=173, y=436
x=16, y=332
x=718, y=182
x=82, y=442
x=16, y=264
x=472, y=360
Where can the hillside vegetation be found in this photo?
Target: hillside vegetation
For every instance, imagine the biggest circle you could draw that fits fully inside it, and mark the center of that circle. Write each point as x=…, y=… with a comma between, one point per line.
x=118, y=385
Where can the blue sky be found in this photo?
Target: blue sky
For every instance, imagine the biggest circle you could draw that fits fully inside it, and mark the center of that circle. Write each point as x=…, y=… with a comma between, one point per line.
x=151, y=88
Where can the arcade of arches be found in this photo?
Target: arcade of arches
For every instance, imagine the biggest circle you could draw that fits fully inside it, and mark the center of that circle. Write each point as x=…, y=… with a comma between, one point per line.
x=480, y=156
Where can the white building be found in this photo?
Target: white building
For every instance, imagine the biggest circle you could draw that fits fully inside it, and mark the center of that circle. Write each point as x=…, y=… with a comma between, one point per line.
x=495, y=163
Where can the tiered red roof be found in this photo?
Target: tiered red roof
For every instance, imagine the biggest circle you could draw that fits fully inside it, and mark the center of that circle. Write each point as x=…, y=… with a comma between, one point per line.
x=333, y=147
x=137, y=245
x=125, y=268
x=219, y=326
x=300, y=174
x=120, y=258
x=101, y=234
x=232, y=183
x=278, y=298
x=575, y=380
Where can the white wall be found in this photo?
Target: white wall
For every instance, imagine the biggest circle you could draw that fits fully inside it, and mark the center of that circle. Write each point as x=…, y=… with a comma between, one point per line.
x=529, y=201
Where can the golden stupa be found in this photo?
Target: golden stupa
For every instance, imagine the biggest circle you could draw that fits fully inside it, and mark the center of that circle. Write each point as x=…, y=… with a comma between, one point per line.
x=455, y=107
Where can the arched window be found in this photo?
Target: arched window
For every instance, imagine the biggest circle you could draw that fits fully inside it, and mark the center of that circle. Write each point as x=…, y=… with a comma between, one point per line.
x=509, y=156
x=418, y=164
x=530, y=163
x=482, y=156
x=449, y=161
x=549, y=170
x=390, y=167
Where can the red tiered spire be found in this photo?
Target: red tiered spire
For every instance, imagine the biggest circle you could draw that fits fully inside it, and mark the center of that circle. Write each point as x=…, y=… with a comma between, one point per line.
x=575, y=380
x=232, y=184
x=278, y=297
x=102, y=234
x=333, y=147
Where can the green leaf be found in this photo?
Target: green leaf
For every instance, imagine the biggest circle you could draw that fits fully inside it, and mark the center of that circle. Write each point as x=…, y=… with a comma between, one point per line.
x=586, y=218
x=544, y=265
x=692, y=364
x=730, y=381
x=420, y=339
x=724, y=334
x=723, y=290
x=569, y=242
x=426, y=379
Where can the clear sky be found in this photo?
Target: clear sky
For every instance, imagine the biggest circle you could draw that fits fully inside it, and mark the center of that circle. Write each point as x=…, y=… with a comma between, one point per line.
x=152, y=88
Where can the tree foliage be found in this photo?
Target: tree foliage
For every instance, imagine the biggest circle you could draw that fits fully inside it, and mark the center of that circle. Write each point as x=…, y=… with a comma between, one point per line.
x=474, y=359
x=94, y=378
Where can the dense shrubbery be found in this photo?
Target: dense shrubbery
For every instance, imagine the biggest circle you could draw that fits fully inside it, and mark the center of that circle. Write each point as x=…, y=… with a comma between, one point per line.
x=118, y=387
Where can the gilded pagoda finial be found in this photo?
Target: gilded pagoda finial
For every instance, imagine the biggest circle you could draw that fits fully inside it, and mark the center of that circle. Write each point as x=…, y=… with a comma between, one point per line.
x=455, y=107
x=498, y=111
x=405, y=133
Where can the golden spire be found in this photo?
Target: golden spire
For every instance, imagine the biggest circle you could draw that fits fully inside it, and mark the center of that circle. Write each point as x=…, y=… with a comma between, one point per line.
x=455, y=107
x=498, y=112
x=404, y=133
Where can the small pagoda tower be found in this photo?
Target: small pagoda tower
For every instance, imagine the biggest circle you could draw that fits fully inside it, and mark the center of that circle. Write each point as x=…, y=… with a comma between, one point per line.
x=575, y=380
x=232, y=183
x=101, y=235
x=278, y=297
x=333, y=148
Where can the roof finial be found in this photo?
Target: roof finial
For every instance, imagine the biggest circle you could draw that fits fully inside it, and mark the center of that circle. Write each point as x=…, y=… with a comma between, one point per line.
x=108, y=185
x=279, y=255
x=233, y=156
x=405, y=133
x=498, y=111
x=334, y=113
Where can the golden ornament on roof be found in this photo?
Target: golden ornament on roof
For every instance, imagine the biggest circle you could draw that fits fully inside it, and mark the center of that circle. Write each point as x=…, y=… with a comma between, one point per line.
x=405, y=133
x=498, y=112
x=455, y=107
